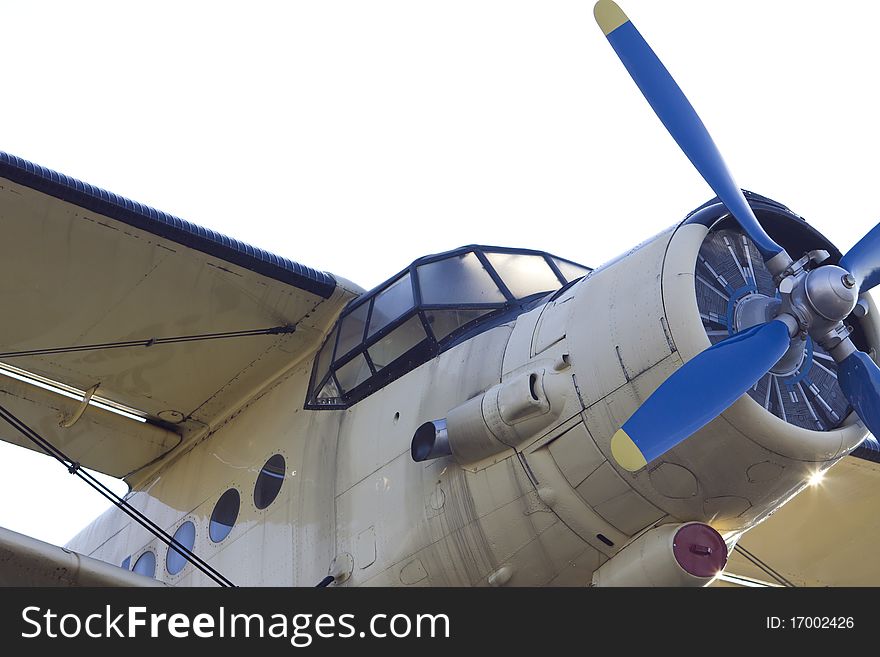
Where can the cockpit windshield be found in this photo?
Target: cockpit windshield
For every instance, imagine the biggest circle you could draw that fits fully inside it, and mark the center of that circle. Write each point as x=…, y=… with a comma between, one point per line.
x=424, y=310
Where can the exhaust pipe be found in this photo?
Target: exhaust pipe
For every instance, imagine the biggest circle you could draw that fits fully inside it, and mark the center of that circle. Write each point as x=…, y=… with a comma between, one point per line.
x=430, y=441
x=503, y=417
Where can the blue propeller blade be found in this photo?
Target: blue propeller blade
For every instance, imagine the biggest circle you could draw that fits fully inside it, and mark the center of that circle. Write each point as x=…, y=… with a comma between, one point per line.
x=680, y=119
x=863, y=260
x=698, y=392
x=860, y=380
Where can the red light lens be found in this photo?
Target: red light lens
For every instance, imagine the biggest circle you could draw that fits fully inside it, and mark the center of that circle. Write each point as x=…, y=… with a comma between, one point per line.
x=699, y=550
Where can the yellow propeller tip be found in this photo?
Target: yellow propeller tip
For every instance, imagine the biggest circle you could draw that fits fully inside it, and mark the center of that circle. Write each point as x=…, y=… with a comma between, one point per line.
x=609, y=16
x=626, y=453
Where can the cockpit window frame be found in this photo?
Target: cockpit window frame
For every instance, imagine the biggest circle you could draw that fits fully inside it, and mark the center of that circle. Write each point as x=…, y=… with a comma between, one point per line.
x=429, y=346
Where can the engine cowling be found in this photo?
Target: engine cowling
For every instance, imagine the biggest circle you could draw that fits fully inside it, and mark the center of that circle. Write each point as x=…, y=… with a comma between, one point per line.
x=629, y=325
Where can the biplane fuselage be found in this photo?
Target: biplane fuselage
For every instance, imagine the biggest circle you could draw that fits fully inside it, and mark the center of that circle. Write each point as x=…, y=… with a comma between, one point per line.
x=531, y=394
x=488, y=416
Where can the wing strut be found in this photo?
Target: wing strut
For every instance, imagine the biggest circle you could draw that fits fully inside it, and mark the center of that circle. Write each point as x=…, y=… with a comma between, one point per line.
x=762, y=565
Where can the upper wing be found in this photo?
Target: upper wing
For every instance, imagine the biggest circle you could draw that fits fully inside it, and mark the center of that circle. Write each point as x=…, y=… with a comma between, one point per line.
x=80, y=266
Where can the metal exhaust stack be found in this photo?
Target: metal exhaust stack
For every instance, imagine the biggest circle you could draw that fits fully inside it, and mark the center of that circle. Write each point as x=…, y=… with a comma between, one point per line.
x=430, y=441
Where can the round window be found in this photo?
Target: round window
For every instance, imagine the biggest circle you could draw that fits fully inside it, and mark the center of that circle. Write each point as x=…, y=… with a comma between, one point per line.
x=186, y=536
x=126, y=563
x=224, y=515
x=146, y=564
x=269, y=482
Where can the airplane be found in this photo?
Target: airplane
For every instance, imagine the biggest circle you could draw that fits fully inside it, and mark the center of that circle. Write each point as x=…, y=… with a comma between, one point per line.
x=488, y=416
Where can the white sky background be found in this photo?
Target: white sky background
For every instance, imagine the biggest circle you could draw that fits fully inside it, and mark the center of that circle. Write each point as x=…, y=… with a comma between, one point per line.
x=355, y=136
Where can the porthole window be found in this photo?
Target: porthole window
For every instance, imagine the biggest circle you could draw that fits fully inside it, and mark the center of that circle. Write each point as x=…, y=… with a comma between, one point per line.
x=186, y=536
x=146, y=564
x=126, y=563
x=224, y=516
x=269, y=482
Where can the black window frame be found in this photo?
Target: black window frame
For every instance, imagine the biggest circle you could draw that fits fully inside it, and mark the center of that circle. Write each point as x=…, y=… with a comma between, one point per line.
x=430, y=346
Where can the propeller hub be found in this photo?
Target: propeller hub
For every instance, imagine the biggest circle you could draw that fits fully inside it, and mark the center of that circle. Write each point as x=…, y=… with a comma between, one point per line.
x=756, y=308
x=793, y=359
x=753, y=309
x=831, y=292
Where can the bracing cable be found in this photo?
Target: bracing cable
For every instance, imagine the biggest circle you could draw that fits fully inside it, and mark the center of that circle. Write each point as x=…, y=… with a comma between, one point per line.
x=149, y=342
x=762, y=565
x=73, y=467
